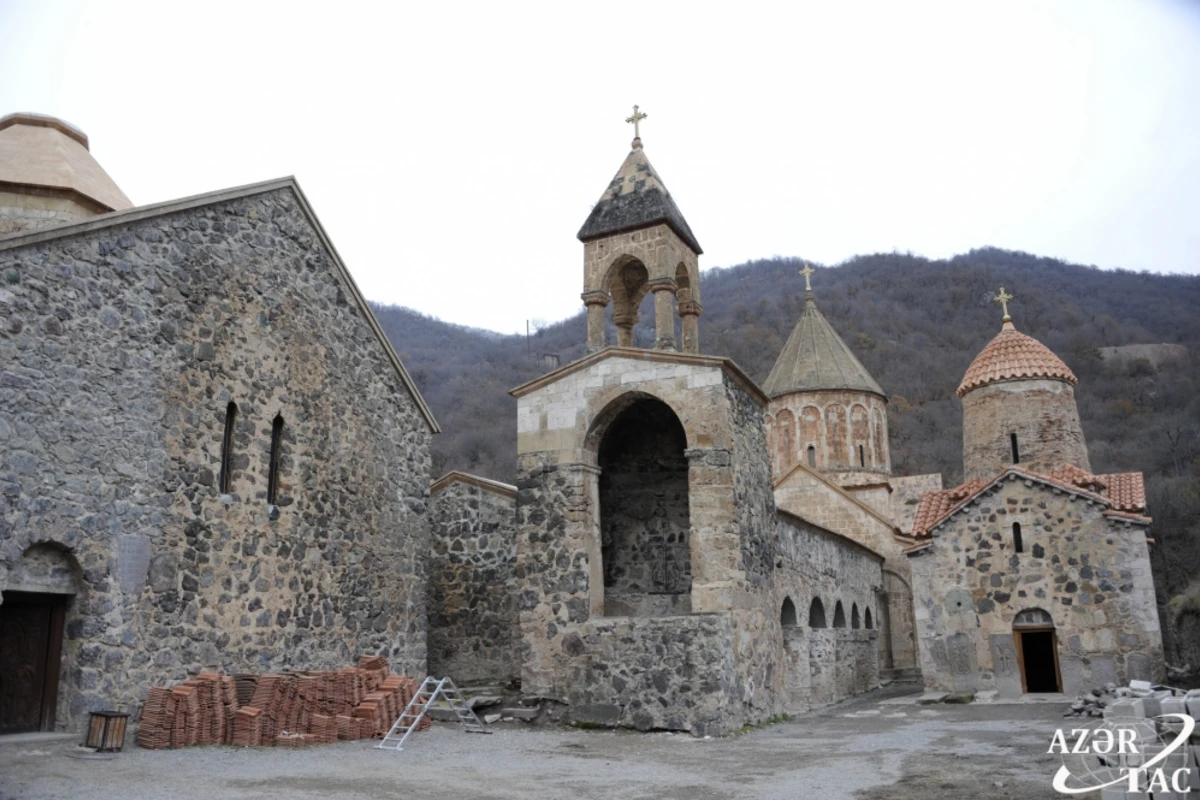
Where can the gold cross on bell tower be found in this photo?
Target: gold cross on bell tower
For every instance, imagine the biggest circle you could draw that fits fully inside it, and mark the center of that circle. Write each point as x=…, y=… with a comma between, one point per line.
x=1003, y=299
x=637, y=117
x=806, y=272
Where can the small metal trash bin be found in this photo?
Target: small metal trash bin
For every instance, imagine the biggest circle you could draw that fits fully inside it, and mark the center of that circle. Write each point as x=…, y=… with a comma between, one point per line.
x=106, y=731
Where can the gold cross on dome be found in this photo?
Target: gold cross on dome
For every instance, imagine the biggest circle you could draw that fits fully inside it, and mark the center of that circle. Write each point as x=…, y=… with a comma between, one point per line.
x=635, y=119
x=1003, y=299
x=806, y=272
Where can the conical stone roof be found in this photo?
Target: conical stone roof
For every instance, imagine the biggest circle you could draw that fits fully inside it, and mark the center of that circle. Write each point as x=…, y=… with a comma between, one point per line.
x=1013, y=355
x=40, y=152
x=636, y=198
x=816, y=358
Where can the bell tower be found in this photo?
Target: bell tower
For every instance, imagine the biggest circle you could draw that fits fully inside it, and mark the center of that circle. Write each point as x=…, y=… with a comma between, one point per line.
x=636, y=241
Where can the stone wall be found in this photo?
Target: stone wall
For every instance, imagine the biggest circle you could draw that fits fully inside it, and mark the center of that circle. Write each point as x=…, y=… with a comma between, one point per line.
x=121, y=349
x=825, y=665
x=666, y=673
x=810, y=496
x=1041, y=413
x=473, y=633
x=1090, y=573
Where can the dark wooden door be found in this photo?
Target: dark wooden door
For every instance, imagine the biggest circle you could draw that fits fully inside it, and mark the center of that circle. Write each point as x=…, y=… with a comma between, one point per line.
x=30, y=642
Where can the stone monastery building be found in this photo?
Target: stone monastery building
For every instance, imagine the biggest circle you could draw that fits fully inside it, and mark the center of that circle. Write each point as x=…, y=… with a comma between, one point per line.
x=213, y=459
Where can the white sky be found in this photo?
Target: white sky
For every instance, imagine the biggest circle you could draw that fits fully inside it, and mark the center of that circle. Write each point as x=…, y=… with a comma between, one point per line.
x=453, y=150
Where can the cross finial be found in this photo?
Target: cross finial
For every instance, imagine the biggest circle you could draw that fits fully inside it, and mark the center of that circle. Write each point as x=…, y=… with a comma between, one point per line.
x=1003, y=299
x=637, y=117
x=806, y=272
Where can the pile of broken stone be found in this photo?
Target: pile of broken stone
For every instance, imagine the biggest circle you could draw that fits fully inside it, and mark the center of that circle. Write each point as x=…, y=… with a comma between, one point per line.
x=1138, y=699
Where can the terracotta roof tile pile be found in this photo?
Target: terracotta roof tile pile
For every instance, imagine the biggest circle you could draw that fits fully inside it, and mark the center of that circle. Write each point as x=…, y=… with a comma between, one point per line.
x=284, y=710
x=1014, y=356
x=1124, y=491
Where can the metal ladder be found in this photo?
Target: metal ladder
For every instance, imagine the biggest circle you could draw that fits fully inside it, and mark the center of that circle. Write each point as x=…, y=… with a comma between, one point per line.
x=426, y=698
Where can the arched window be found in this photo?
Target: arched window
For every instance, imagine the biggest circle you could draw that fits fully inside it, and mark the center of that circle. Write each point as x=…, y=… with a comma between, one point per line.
x=839, y=615
x=862, y=457
x=273, y=470
x=226, y=480
x=1016, y=452
x=854, y=616
x=816, y=614
x=787, y=615
x=867, y=619
x=812, y=456
x=1018, y=545
x=1033, y=617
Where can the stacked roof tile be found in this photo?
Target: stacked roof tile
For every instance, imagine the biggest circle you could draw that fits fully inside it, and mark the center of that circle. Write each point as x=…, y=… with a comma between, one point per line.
x=286, y=710
x=1013, y=355
x=1124, y=492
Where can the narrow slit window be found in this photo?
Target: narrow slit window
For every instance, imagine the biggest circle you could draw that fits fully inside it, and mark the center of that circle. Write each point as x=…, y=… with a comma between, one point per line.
x=276, y=446
x=1016, y=453
x=1018, y=545
x=862, y=457
x=812, y=456
x=226, y=480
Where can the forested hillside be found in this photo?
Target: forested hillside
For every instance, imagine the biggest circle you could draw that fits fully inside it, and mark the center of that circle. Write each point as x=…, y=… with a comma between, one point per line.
x=916, y=324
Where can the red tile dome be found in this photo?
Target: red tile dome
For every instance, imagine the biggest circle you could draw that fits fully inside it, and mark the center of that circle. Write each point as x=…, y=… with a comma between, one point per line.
x=1014, y=356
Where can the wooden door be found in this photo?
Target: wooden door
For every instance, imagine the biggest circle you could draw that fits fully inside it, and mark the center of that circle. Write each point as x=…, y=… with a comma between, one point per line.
x=30, y=644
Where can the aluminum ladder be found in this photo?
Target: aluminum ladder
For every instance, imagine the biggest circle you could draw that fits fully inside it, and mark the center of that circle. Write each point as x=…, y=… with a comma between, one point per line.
x=425, y=699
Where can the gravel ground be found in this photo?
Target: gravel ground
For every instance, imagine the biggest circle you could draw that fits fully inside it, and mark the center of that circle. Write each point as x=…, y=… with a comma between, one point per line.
x=860, y=749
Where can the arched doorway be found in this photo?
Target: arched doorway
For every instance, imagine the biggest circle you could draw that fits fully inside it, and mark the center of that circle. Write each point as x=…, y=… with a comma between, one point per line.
x=32, y=617
x=645, y=521
x=1037, y=651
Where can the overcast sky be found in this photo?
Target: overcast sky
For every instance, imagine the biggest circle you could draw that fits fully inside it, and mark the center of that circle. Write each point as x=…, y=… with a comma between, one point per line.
x=453, y=150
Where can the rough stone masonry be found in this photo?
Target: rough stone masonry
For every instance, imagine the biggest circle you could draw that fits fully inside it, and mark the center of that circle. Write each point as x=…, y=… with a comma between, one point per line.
x=123, y=343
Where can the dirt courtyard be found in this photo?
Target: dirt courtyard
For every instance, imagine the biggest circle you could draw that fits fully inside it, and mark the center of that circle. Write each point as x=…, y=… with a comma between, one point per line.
x=860, y=749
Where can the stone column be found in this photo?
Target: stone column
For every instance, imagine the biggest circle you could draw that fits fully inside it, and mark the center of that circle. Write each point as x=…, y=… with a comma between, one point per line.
x=664, y=312
x=689, y=312
x=625, y=321
x=595, y=302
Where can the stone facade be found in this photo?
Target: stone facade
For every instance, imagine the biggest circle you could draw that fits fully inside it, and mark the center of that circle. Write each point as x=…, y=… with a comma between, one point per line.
x=841, y=433
x=824, y=664
x=125, y=341
x=806, y=493
x=473, y=631
x=1087, y=569
x=1041, y=414
x=718, y=660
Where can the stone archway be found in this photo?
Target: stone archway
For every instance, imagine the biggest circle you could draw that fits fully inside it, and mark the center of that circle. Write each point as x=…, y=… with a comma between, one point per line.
x=644, y=515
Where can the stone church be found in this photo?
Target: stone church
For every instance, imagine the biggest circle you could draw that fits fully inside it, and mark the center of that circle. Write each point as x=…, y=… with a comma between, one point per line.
x=213, y=459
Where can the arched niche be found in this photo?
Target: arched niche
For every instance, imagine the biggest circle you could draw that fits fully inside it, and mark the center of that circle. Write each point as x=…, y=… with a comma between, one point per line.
x=787, y=614
x=816, y=614
x=644, y=516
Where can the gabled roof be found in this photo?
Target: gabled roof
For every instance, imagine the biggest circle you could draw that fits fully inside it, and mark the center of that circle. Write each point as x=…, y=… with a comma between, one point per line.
x=40, y=152
x=804, y=469
x=799, y=521
x=663, y=356
x=636, y=198
x=1013, y=355
x=487, y=484
x=213, y=198
x=816, y=358
x=1123, y=494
